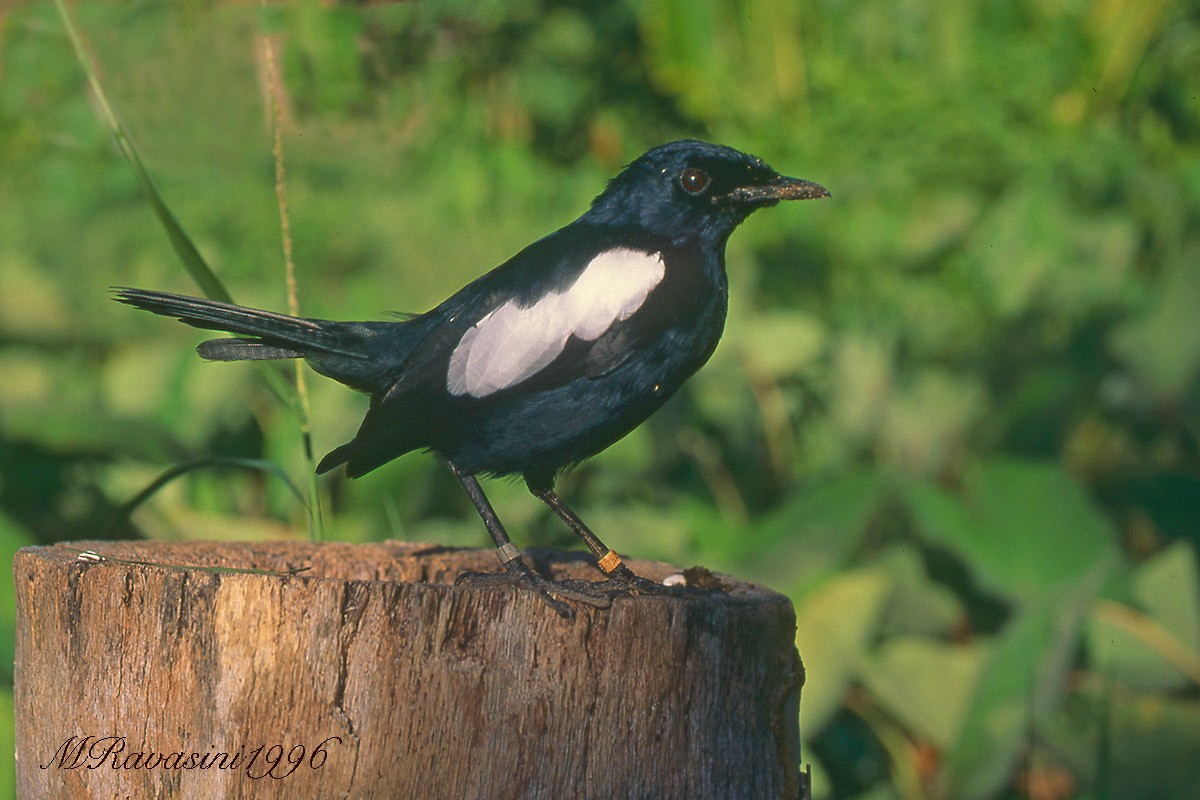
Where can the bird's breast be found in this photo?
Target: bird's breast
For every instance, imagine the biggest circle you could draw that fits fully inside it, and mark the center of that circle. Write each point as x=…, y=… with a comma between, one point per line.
x=690, y=304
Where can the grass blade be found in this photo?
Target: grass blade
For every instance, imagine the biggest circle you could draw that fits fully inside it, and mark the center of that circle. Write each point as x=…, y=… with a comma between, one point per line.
x=189, y=256
x=274, y=99
x=127, y=508
x=92, y=557
x=185, y=249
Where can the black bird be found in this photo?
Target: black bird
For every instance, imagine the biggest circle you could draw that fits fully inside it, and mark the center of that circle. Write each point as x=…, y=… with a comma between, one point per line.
x=550, y=357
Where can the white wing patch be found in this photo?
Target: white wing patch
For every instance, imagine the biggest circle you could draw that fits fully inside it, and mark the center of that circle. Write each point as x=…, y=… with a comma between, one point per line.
x=512, y=343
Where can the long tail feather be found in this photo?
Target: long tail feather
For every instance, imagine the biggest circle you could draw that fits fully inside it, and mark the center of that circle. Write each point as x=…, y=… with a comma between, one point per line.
x=243, y=350
x=275, y=335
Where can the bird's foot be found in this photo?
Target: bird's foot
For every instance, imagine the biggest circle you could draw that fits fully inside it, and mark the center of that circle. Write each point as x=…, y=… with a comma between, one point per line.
x=556, y=594
x=690, y=580
x=621, y=582
x=629, y=582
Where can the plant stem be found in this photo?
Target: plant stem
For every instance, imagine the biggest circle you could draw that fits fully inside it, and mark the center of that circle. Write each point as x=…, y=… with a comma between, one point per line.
x=274, y=97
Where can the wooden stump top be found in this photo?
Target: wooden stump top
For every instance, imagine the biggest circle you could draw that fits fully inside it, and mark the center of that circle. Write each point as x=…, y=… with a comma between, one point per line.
x=371, y=674
x=390, y=561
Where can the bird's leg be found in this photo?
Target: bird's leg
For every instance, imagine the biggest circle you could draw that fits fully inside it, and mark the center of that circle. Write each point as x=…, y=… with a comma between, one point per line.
x=515, y=568
x=506, y=551
x=608, y=561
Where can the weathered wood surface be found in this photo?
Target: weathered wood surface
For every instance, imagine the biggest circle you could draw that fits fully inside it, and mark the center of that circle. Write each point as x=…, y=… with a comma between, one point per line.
x=396, y=683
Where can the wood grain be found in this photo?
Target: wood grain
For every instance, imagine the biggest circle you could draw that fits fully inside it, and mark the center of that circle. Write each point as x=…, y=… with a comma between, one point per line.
x=417, y=687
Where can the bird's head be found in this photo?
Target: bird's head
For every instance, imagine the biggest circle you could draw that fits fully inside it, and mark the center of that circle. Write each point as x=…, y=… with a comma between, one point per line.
x=689, y=189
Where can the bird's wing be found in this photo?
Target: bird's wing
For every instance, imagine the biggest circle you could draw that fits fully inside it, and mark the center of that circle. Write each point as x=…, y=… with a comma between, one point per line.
x=563, y=308
x=518, y=339
x=611, y=350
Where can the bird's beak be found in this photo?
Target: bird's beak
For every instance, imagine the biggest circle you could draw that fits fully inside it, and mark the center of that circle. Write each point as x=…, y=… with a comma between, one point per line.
x=781, y=188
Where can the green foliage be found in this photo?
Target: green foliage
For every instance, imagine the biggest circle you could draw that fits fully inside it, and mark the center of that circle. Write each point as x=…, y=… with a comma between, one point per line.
x=1155, y=645
x=955, y=415
x=1029, y=528
x=8, y=772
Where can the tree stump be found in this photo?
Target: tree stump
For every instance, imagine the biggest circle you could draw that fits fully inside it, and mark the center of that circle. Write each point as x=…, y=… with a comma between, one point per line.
x=371, y=675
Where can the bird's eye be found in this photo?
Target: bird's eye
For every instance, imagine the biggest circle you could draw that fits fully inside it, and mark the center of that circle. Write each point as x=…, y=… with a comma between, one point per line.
x=693, y=180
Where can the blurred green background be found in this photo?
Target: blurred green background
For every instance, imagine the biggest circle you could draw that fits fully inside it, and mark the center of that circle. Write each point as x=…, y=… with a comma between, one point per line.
x=955, y=415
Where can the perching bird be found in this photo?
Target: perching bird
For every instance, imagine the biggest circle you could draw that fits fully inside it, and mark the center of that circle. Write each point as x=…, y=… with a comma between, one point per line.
x=550, y=357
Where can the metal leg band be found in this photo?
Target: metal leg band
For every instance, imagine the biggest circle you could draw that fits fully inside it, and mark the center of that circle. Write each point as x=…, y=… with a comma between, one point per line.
x=508, y=552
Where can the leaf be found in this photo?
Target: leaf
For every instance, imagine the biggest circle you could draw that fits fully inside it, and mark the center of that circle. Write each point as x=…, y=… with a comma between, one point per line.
x=1162, y=346
x=1167, y=586
x=918, y=605
x=821, y=785
x=1160, y=648
x=1024, y=528
x=816, y=531
x=926, y=685
x=1021, y=683
x=1133, y=649
x=834, y=625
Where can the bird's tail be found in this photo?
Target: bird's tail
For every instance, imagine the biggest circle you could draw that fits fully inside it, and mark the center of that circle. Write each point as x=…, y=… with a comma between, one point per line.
x=267, y=335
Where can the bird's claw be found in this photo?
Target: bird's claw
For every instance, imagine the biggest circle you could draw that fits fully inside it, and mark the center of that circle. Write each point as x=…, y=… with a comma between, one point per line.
x=517, y=579
x=629, y=582
x=554, y=593
x=621, y=582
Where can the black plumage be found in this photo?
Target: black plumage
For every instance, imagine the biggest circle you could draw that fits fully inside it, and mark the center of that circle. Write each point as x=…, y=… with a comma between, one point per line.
x=550, y=357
